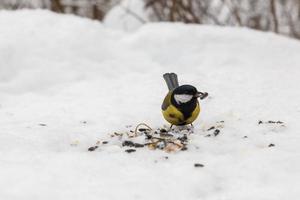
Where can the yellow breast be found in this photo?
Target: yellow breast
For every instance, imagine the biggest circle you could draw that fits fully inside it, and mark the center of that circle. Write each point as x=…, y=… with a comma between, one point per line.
x=175, y=117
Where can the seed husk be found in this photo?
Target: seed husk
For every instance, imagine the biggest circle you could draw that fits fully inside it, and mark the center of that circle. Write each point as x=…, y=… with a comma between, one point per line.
x=92, y=148
x=163, y=130
x=130, y=150
x=198, y=165
x=211, y=128
x=143, y=130
x=137, y=145
x=128, y=143
x=216, y=132
x=184, y=148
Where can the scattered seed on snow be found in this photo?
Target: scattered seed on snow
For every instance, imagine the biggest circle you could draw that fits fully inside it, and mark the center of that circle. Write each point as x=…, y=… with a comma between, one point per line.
x=163, y=130
x=92, y=148
x=144, y=129
x=216, y=132
x=270, y=122
x=130, y=150
x=198, y=165
x=211, y=128
x=184, y=149
x=137, y=145
x=163, y=134
x=128, y=143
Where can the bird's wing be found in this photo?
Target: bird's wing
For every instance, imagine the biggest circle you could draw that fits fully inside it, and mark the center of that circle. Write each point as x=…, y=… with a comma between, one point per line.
x=167, y=101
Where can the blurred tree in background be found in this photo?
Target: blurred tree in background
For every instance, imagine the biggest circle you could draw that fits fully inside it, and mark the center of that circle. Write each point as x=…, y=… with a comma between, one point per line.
x=279, y=16
x=95, y=9
x=19, y=4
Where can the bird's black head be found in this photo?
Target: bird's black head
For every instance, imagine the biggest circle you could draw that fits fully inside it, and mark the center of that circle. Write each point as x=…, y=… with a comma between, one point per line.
x=186, y=89
x=185, y=94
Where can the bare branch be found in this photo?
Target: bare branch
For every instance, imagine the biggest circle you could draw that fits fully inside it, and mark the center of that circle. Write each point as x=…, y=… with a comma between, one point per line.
x=134, y=14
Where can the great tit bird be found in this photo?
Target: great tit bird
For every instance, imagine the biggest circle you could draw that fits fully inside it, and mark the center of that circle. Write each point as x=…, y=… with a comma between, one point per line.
x=180, y=106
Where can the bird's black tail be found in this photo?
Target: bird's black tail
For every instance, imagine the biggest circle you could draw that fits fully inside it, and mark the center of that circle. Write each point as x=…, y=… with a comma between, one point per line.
x=171, y=80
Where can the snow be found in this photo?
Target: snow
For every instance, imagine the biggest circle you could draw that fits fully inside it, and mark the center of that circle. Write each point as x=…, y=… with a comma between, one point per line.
x=67, y=82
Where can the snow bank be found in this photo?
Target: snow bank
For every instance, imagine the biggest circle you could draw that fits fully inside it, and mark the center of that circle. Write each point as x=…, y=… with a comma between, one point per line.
x=66, y=82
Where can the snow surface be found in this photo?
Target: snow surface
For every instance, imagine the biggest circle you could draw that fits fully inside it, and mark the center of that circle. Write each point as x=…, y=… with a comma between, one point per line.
x=66, y=80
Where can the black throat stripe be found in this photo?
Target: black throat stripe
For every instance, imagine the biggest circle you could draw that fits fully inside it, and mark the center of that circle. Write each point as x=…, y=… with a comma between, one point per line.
x=185, y=108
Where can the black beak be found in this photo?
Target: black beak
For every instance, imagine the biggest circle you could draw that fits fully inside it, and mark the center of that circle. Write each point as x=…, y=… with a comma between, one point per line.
x=201, y=95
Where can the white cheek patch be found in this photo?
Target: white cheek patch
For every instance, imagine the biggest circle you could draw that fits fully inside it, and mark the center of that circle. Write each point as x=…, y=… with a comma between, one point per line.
x=182, y=98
